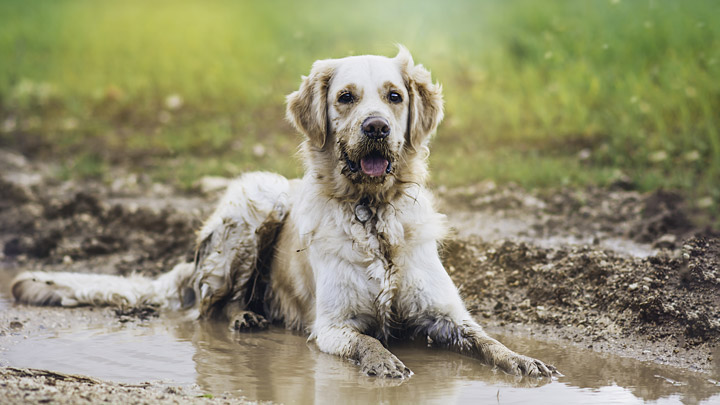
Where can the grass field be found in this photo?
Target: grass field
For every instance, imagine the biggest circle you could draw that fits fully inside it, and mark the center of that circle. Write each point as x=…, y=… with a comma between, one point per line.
x=538, y=93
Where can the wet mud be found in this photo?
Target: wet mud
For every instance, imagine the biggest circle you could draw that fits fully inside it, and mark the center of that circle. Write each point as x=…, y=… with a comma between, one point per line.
x=609, y=270
x=31, y=386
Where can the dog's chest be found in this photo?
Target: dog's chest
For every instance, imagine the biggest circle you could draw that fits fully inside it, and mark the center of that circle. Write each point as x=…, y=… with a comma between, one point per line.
x=378, y=239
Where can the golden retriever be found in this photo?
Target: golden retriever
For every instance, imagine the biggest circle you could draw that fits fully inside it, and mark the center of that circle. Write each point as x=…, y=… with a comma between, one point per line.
x=348, y=253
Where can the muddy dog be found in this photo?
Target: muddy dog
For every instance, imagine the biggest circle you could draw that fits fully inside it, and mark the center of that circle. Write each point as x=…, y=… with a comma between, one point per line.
x=348, y=253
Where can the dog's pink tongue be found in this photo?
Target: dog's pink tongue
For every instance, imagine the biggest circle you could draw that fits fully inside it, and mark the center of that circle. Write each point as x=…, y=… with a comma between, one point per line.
x=374, y=165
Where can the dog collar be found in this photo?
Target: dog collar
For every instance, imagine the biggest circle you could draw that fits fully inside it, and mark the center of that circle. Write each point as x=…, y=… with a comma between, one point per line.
x=363, y=212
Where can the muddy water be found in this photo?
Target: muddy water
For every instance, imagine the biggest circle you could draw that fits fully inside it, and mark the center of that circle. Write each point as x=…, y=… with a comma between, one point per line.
x=280, y=366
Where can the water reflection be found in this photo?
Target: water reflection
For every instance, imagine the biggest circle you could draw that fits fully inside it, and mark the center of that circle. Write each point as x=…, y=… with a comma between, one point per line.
x=280, y=366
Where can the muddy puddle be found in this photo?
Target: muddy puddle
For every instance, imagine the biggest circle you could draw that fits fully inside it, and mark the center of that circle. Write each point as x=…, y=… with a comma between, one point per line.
x=620, y=272
x=280, y=366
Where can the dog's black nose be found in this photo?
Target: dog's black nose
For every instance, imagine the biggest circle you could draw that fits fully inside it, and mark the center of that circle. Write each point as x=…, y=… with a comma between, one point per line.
x=376, y=127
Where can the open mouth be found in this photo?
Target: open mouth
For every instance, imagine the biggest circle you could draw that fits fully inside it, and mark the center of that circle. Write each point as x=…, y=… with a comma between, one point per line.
x=373, y=164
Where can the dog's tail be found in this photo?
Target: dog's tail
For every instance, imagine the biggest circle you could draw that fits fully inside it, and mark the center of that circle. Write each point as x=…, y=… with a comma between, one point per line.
x=170, y=290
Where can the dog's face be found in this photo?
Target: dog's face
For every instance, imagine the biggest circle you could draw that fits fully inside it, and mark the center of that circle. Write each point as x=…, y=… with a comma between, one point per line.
x=368, y=106
x=367, y=120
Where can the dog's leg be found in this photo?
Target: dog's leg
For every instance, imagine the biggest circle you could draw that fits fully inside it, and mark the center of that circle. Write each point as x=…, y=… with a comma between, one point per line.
x=232, y=242
x=374, y=359
x=343, y=309
x=241, y=319
x=468, y=338
x=442, y=316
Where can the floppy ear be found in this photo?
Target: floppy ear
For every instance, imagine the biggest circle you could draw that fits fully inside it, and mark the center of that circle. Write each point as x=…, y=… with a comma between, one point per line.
x=307, y=107
x=426, y=101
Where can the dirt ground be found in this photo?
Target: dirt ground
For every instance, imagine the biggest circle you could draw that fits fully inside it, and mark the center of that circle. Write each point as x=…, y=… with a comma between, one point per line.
x=30, y=386
x=611, y=269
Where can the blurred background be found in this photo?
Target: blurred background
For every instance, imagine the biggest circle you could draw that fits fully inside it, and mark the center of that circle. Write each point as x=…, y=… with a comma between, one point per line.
x=542, y=94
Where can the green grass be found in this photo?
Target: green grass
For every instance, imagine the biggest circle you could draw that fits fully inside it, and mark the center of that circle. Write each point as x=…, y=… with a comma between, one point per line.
x=633, y=86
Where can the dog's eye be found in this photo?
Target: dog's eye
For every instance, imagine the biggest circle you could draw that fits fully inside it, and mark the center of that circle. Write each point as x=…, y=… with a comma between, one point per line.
x=346, y=98
x=395, y=97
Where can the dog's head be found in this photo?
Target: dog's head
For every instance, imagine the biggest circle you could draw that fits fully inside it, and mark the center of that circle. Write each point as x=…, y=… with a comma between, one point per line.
x=367, y=120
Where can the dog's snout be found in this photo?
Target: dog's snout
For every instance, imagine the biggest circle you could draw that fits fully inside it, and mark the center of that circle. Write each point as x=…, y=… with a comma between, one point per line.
x=376, y=127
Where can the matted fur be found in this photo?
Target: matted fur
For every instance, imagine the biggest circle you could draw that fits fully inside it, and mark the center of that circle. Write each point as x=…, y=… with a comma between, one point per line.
x=348, y=253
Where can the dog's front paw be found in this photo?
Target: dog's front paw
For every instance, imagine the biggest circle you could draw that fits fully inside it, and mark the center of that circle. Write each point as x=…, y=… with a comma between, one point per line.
x=517, y=364
x=246, y=321
x=384, y=365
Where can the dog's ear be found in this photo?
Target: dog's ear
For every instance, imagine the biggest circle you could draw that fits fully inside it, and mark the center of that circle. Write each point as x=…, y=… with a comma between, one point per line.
x=307, y=107
x=426, y=101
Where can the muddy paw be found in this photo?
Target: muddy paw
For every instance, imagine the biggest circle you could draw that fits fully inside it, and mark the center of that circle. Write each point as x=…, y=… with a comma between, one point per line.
x=247, y=320
x=387, y=367
x=527, y=366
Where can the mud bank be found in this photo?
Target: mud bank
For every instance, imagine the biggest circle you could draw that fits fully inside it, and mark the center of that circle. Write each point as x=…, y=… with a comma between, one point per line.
x=27, y=386
x=608, y=269
x=612, y=270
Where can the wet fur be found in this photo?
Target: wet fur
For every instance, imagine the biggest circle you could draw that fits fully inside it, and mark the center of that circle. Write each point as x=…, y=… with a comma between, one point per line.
x=294, y=251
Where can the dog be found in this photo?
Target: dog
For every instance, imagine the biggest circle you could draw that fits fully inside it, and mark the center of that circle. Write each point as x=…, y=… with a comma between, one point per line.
x=347, y=254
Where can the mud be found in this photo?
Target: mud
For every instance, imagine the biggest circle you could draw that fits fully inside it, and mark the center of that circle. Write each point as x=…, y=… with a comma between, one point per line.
x=612, y=270
x=128, y=225
x=30, y=386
